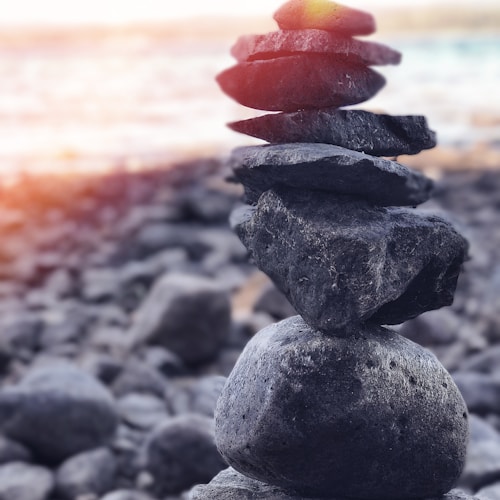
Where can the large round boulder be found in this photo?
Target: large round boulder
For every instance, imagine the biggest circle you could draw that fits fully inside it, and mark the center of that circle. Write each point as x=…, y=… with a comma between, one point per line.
x=371, y=415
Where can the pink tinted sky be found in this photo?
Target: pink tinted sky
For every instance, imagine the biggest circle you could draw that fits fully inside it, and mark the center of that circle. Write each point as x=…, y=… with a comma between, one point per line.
x=35, y=12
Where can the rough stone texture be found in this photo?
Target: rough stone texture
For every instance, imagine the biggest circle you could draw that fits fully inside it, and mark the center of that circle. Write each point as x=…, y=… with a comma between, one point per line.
x=305, y=81
x=231, y=485
x=187, y=314
x=20, y=481
x=341, y=261
x=55, y=401
x=328, y=168
x=370, y=133
x=180, y=453
x=324, y=14
x=284, y=43
x=88, y=473
x=371, y=416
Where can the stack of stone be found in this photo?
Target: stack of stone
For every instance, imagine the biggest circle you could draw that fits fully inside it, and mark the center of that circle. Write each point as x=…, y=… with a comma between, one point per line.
x=331, y=404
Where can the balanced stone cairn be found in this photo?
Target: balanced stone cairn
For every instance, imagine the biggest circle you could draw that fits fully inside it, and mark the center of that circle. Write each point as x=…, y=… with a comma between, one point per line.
x=331, y=404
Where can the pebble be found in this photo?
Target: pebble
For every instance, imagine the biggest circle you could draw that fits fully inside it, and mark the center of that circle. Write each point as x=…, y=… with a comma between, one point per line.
x=180, y=453
x=142, y=411
x=329, y=82
x=20, y=481
x=328, y=168
x=90, y=472
x=369, y=416
x=481, y=392
x=188, y=315
x=55, y=401
x=350, y=129
x=11, y=451
x=341, y=261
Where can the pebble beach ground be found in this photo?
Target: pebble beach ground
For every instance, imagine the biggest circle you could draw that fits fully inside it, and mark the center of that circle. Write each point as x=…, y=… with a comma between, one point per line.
x=108, y=380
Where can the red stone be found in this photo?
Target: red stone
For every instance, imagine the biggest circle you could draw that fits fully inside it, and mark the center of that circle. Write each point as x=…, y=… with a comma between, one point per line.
x=307, y=81
x=282, y=43
x=325, y=15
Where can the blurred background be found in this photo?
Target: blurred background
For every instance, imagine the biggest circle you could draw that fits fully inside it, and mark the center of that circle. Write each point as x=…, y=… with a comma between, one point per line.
x=125, y=299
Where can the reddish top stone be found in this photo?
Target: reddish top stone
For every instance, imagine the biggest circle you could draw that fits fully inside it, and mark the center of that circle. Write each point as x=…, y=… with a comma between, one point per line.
x=282, y=43
x=326, y=15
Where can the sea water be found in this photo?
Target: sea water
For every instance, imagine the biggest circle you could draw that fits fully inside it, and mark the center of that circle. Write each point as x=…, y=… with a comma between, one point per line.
x=140, y=100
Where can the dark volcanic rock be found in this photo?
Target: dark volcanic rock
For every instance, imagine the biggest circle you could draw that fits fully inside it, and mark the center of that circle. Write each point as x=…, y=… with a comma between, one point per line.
x=285, y=43
x=187, y=314
x=181, y=452
x=370, y=416
x=370, y=133
x=324, y=14
x=306, y=81
x=58, y=411
x=231, y=485
x=90, y=472
x=341, y=261
x=328, y=168
x=20, y=481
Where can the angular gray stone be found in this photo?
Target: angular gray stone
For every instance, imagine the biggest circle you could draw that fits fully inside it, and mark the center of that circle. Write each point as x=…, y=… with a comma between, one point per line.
x=231, y=485
x=283, y=43
x=20, y=481
x=369, y=133
x=186, y=314
x=341, y=261
x=324, y=167
x=58, y=411
x=180, y=453
x=88, y=473
x=372, y=416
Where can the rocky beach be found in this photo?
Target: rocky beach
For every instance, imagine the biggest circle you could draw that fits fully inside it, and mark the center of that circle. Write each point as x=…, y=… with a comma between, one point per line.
x=86, y=262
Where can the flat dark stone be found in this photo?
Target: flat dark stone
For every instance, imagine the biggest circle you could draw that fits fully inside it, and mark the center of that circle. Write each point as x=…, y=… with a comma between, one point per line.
x=370, y=416
x=370, y=133
x=304, y=81
x=231, y=485
x=341, y=261
x=328, y=168
x=282, y=43
x=324, y=14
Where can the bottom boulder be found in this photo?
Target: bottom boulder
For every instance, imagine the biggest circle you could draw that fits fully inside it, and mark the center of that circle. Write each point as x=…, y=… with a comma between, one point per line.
x=370, y=416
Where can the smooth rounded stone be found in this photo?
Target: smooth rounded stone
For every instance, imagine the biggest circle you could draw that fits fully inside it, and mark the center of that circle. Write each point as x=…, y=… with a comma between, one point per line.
x=480, y=391
x=324, y=14
x=90, y=472
x=20, y=481
x=231, y=485
x=163, y=360
x=370, y=416
x=486, y=362
x=139, y=377
x=126, y=495
x=58, y=401
x=304, y=81
x=357, y=130
x=482, y=466
x=284, y=43
x=19, y=335
x=143, y=411
x=195, y=395
x=181, y=452
x=491, y=492
x=12, y=451
x=328, y=168
x=100, y=284
x=188, y=315
x=341, y=261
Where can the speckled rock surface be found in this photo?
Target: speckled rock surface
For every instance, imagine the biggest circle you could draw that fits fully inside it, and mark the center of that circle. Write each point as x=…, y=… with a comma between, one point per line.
x=341, y=261
x=370, y=133
x=282, y=43
x=329, y=168
x=231, y=485
x=300, y=82
x=370, y=416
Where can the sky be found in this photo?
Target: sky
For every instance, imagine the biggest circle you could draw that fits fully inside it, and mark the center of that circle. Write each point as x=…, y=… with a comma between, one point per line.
x=30, y=12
